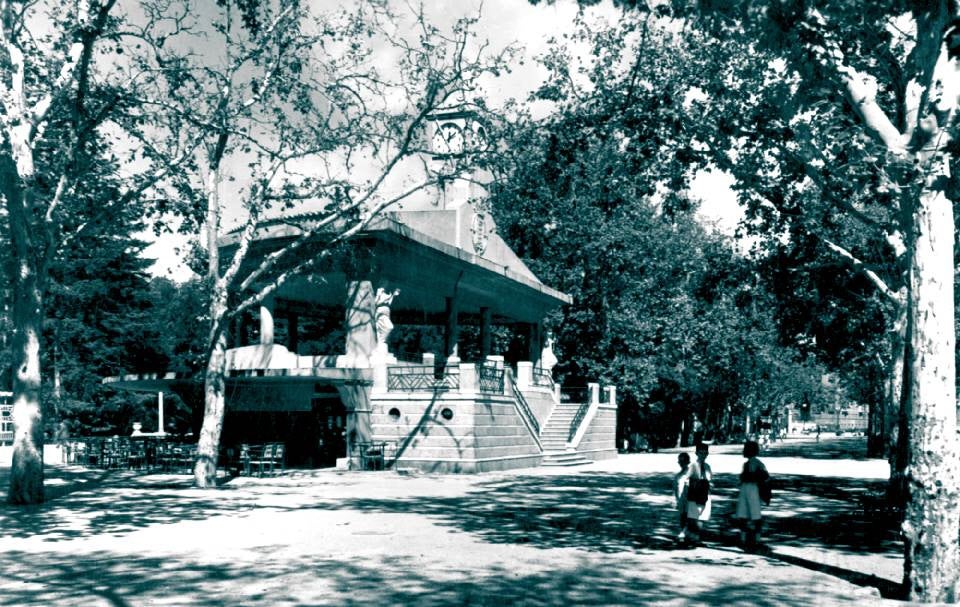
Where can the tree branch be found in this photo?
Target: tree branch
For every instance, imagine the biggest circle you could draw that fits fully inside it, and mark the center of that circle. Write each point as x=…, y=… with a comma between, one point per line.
x=881, y=285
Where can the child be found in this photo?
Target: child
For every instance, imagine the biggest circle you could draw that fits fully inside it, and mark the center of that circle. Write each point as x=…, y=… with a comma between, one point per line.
x=749, y=506
x=699, y=506
x=680, y=484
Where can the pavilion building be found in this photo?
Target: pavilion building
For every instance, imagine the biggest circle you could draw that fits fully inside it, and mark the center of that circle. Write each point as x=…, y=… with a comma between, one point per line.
x=365, y=354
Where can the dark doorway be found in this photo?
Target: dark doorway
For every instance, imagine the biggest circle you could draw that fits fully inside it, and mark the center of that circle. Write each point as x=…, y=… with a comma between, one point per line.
x=329, y=417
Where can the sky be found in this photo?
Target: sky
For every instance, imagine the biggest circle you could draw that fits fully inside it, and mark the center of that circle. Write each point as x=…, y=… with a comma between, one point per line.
x=502, y=23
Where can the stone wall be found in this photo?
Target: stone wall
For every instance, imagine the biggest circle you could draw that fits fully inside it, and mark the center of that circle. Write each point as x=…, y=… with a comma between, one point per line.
x=599, y=440
x=453, y=432
x=541, y=402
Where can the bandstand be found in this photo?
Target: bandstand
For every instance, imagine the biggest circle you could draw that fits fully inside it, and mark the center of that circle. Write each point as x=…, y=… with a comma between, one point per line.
x=322, y=366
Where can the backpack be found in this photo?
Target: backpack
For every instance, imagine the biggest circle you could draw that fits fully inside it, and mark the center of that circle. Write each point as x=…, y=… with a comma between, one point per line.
x=699, y=490
x=766, y=491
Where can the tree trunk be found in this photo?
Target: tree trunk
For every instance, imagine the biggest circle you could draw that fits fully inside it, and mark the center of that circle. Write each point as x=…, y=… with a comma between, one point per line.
x=26, y=473
x=896, y=416
x=932, y=520
x=214, y=399
x=876, y=438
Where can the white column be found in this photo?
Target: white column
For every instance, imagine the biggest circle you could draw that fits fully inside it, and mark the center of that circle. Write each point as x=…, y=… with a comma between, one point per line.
x=594, y=390
x=468, y=378
x=160, y=429
x=361, y=334
x=524, y=374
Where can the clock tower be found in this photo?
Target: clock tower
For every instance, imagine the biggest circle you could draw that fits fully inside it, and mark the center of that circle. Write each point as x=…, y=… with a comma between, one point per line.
x=453, y=134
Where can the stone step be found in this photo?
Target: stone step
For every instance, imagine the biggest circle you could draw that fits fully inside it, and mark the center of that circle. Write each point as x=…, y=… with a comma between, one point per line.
x=564, y=458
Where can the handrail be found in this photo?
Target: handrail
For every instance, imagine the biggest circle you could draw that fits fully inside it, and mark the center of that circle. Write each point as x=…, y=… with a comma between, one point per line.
x=524, y=408
x=542, y=377
x=577, y=420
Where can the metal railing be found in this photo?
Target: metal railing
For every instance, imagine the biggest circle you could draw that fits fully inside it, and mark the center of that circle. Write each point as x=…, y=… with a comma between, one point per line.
x=574, y=394
x=542, y=377
x=422, y=378
x=524, y=408
x=490, y=378
x=577, y=420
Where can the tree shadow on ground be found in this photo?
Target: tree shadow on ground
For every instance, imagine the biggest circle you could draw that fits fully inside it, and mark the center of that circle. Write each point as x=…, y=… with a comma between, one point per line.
x=95, y=502
x=108, y=578
x=600, y=512
x=829, y=511
x=615, y=512
x=831, y=447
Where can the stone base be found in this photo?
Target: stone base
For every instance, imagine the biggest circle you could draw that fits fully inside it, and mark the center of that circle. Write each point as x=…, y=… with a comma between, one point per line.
x=468, y=466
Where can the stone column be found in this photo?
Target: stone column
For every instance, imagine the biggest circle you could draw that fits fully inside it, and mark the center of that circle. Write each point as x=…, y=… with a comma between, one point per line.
x=356, y=400
x=361, y=338
x=534, y=347
x=160, y=424
x=468, y=378
x=524, y=374
x=452, y=331
x=486, y=316
x=266, y=322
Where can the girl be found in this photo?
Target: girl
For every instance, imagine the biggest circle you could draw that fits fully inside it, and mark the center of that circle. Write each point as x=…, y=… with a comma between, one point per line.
x=698, y=493
x=749, y=505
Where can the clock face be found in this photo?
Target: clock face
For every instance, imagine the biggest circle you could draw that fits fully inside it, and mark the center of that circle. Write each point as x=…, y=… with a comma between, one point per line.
x=477, y=139
x=448, y=139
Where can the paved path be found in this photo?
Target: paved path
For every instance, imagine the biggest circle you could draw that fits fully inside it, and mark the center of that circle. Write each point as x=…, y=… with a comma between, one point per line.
x=593, y=535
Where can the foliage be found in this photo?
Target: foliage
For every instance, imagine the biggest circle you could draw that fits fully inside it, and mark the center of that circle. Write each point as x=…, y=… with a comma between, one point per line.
x=593, y=202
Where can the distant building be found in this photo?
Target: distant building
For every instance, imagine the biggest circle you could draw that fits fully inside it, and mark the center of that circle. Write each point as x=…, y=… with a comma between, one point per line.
x=6, y=418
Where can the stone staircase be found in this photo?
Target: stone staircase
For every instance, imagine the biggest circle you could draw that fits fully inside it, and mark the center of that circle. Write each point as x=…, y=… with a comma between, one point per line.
x=554, y=435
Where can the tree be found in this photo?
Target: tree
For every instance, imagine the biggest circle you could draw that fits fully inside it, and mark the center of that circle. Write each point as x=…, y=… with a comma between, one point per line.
x=885, y=76
x=661, y=308
x=866, y=91
x=295, y=97
x=57, y=90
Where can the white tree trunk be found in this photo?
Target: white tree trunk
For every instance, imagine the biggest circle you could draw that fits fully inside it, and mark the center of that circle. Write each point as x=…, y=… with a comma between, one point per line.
x=932, y=521
x=214, y=404
x=26, y=474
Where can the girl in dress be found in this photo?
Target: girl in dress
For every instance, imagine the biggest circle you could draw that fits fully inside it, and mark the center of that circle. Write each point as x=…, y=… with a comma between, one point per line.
x=749, y=505
x=699, y=512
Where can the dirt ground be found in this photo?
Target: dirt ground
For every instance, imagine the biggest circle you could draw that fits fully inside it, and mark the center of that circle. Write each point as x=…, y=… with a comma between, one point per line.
x=591, y=535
